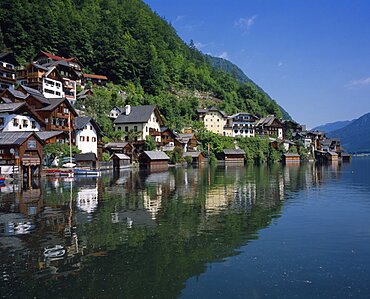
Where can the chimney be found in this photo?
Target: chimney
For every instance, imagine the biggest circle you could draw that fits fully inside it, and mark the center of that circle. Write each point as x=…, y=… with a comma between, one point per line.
x=127, y=109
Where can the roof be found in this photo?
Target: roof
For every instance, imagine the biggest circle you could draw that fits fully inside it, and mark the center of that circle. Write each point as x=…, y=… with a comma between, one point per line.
x=233, y=152
x=237, y=114
x=291, y=155
x=5, y=100
x=83, y=93
x=45, y=135
x=10, y=107
x=120, y=156
x=39, y=66
x=53, y=103
x=82, y=121
x=200, y=111
x=17, y=94
x=85, y=157
x=92, y=76
x=116, y=144
x=156, y=155
x=266, y=121
x=14, y=138
x=192, y=154
x=138, y=114
x=332, y=153
x=56, y=57
x=35, y=93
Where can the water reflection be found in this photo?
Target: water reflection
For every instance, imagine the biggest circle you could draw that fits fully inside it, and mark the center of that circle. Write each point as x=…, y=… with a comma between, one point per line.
x=138, y=234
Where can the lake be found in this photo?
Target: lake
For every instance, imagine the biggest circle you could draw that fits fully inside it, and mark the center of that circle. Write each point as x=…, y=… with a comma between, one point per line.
x=268, y=231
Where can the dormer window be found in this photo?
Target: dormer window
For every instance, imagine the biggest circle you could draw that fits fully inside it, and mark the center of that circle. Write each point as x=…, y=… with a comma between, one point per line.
x=25, y=123
x=2, y=121
x=33, y=124
x=15, y=122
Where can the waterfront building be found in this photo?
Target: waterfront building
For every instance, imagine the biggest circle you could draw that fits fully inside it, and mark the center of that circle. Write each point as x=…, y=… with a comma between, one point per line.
x=87, y=135
x=197, y=157
x=144, y=120
x=154, y=160
x=233, y=156
x=243, y=124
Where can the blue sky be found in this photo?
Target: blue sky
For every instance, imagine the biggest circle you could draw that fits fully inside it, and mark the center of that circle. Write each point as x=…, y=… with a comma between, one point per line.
x=312, y=57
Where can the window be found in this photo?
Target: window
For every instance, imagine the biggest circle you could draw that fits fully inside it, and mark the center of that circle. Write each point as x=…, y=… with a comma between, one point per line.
x=1, y=121
x=119, y=128
x=46, y=120
x=15, y=122
x=82, y=138
x=90, y=127
x=87, y=139
x=65, y=111
x=126, y=129
x=93, y=139
x=25, y=123
x=236, y=131
x=135, y=128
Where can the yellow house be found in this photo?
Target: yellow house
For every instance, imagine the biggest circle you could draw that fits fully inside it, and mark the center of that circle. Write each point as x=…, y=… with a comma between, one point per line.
x=215, y=121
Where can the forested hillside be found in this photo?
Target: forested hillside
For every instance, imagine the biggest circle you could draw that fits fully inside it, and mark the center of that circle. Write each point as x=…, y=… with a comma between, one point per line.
x=135, y=48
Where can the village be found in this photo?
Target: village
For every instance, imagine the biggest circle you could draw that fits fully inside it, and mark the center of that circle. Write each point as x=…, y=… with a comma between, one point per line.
x=38, y=108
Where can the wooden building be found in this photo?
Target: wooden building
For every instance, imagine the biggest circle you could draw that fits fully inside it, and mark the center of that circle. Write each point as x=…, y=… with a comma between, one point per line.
x=120, y=161
x=197, y=157
x=331, y=156
x=154, y=160
x=188, y=142
x=23, y=149
x=94, y=80
x=270, y=126
x=7, y=70
x=53, y=136
x=86, y=160
x=121, y=148
x=291, y=158
x=233, y=156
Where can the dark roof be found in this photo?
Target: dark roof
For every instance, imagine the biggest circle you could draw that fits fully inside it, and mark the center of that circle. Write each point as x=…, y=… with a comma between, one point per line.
x=266, y=121
x=82, y=121
x=291, y=155
x=156, y=155
x=201, y=111
x=45, y=135
x=14, y=138
x=39, y=66
x=236, y=114
x=5, y=100
x=85, y=157
x=116, y=144
x=11, y=107
x=192, y=154
x=17, y=94
x=138, y=114
x=53, y=103
x=120, y=156
x=36, y=94
x=234, y=152
x=83, y=93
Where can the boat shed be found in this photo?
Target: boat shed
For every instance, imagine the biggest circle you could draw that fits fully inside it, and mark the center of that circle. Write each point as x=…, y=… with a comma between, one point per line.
x=197, y=157
x=120, y=161
x=154, y=160
x=86, y=160
x=233, y=156
x=23, y=149
x=291, y=157
x=331, y=156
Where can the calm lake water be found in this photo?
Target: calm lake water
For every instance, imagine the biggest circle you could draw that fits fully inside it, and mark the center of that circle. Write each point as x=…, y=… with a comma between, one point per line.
x=213, y=232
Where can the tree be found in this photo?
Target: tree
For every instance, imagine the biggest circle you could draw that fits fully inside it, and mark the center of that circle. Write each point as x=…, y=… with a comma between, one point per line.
x=149, y=144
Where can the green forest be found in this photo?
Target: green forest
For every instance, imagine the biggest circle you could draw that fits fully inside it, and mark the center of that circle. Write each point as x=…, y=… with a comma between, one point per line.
x=139, y=51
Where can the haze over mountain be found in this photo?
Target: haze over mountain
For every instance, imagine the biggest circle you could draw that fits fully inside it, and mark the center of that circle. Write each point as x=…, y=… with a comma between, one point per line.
x=355, y=137
x=329, y=127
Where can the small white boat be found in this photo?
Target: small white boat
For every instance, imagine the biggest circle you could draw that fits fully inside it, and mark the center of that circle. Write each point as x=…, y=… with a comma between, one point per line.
x=57, y=251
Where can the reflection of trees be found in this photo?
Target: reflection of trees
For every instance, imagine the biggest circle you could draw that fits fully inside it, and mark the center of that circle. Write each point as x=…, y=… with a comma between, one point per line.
x=181, y=221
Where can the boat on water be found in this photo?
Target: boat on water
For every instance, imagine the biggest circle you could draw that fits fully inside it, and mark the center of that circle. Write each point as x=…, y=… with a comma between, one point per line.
x=86, y=172
x=54, y=252
x=60, y=172
x=2, y=181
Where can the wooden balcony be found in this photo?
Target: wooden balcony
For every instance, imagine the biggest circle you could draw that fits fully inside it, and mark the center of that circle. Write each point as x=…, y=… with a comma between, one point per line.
x=7, y=80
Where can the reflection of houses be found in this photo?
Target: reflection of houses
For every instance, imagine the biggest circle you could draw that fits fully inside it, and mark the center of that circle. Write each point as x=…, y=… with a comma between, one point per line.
x=87, y=199
x=141, y=121
x=153, y=202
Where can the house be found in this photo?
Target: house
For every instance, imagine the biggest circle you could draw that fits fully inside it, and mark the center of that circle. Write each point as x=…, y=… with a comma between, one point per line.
x=119, y=148
x=12, y=95
x=86, y=160
x=243, y=124
x=19, y=116
x=93, y=80
x=140, y=120
x=291, y=157
x=316, y=138
x=113, y=114
x=154, y=160
x=270, y=126
x=53, y=136
x=188, y=142
x=7, y=70
x=197, y=157
x=84, y=94
x=22, y=149
x=215, y=121
x=331, y=144
x=87, y=135
x=167, y=139
x=233, y=156
x=120, y=161
x=331, y=156
x=47, y=80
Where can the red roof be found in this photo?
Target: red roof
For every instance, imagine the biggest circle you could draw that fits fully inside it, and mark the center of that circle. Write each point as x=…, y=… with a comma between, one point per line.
x=95, y=76
x=55, y=57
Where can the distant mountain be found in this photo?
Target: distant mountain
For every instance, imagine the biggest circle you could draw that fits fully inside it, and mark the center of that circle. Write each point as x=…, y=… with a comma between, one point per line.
x=329, y=127
x=355, y=137
x=229, y=67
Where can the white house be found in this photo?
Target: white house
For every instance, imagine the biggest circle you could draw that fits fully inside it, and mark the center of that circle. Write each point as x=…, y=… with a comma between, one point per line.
x=18, y=117
x=243, y=124
x=146, y=120
x=51, y=89
x=87, y=134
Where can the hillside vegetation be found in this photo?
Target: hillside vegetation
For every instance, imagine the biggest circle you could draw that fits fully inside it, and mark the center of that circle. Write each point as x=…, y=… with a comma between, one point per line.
x=135, y=48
